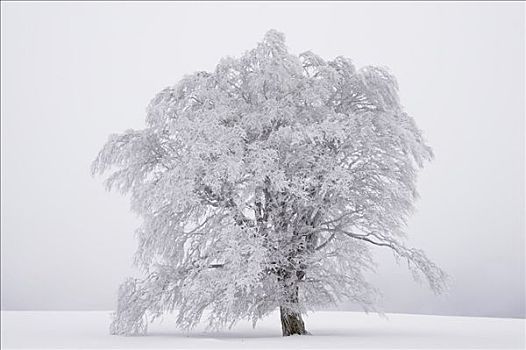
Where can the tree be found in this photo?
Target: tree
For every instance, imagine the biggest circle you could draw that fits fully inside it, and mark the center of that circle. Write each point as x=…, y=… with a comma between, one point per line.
x=264, y=185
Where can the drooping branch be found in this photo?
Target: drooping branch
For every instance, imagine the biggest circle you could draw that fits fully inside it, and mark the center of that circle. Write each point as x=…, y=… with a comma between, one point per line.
x=416, y=258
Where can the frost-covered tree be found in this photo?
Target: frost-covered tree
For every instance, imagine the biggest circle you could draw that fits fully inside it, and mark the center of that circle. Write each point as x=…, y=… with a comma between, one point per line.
x=264, y=184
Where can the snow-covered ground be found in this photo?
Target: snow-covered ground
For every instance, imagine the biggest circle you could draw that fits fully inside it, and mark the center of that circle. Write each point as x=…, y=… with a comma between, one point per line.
x=330, y=329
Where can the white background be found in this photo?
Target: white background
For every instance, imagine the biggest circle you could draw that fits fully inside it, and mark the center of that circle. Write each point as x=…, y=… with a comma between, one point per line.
x=74, y=73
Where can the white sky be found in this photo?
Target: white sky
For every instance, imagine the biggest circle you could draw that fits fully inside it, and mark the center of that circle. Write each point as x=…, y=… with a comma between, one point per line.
x=74, y=73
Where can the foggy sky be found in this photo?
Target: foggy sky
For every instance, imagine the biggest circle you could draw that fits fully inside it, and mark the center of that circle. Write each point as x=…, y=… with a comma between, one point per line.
x=74, y=73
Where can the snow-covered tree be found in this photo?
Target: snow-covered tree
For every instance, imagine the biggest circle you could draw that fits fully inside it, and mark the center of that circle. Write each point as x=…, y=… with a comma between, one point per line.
x=264, y=184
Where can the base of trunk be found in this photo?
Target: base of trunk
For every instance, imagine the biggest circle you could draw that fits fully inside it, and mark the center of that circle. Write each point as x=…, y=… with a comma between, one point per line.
x=291, y=322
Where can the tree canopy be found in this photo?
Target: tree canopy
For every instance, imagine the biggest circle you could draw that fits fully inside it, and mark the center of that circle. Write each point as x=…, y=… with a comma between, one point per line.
x=265, y=184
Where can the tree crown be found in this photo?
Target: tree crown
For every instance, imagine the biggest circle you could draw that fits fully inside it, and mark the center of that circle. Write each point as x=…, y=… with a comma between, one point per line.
x=274, y=167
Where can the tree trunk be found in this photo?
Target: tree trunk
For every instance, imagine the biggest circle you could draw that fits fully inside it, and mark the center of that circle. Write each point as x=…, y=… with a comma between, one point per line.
x=291, y=322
